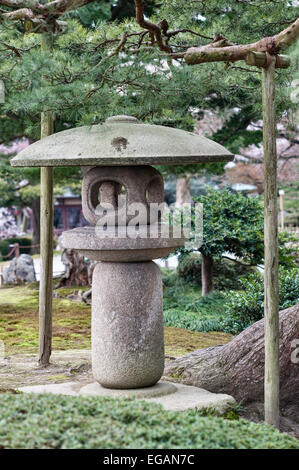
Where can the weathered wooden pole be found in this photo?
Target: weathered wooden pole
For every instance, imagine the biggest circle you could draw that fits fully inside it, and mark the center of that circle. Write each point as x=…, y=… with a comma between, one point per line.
x=271, y=310
x=46, y=237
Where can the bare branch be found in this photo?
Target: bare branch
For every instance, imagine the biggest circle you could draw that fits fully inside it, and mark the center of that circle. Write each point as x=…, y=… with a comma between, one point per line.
x=154, y=29
x=33, y=5
x=61, y=6
x=22, y=13
x=34, y=10
x=288, y=36
x=220, y=49
x=12, y=48
x=231, y=53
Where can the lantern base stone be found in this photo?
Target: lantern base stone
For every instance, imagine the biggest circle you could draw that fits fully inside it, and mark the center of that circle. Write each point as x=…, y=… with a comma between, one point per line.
x=184, y=397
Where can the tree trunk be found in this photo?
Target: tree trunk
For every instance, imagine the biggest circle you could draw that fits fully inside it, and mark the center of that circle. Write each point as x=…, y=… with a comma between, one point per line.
x=78, y=272
x=206, y=274
x=35, y=207
x=183, y=190
x=237, y=368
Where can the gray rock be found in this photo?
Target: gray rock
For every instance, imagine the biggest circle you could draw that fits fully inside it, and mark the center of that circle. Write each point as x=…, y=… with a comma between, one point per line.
x=127, y=325
x=172, y=397
x=20, y=270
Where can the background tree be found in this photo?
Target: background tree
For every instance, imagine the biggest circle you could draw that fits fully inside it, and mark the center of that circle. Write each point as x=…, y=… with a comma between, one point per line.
x=103, y=65
x=232, y=224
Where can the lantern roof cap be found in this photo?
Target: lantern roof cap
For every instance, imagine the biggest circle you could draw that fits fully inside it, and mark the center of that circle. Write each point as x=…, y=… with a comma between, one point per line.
x=122, y=140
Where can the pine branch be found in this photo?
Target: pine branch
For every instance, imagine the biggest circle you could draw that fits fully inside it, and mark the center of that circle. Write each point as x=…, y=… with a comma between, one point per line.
x=220, y=49
x=216, y=52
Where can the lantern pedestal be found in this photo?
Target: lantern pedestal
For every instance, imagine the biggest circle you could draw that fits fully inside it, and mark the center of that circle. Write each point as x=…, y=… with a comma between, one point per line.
x=127, y=315
x=127, y=325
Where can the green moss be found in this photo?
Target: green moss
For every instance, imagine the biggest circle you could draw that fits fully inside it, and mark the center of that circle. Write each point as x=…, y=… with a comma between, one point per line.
x=58, y=378
x=64, y=422
x=180, y=341
x=71, y=323
x=19, y=320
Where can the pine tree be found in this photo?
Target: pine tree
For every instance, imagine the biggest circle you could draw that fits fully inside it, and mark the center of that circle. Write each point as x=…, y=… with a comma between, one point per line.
x=104, y=64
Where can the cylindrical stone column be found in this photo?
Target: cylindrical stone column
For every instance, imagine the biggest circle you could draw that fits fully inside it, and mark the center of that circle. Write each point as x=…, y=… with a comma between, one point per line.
x=127, y=324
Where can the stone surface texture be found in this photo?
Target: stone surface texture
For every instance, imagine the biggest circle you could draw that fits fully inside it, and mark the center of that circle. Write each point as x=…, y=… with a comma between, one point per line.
x=122, y=140
x=19, y=271
x=160, y=389
x=183, y=398
x=127, y=325
x=122, y=244
x=143, y=185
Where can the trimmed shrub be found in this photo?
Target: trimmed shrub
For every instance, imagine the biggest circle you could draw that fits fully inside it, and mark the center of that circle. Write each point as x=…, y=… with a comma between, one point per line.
x=226, y=273
x=189, y=268
x=25, y=242
x=65, y=422
x=246, y=307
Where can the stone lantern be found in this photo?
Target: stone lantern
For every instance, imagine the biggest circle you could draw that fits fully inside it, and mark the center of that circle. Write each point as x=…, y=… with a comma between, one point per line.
x=117, y=158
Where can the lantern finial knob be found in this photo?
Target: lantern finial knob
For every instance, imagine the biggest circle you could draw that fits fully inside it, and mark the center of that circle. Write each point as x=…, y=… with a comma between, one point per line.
x=122, y=118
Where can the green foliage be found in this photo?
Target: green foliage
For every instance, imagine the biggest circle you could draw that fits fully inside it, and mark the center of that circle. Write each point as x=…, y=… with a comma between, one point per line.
x=291, y=202
x=232, y=223
x=234, y=133
x=93, y=13
x=226, y=273
x=12, y=193
x=25, y=242
x=246, y=307
x=84, y=80
x=109, y=10
x=63, y=422
x=184, y=307
x=178, y=318
x=287, y=249
x=189, y=267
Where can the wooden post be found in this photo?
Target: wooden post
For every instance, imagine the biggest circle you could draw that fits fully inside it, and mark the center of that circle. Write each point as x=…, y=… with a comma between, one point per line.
x=281, y=201
x=17, y=250
x=271, y=312
x=46, y=238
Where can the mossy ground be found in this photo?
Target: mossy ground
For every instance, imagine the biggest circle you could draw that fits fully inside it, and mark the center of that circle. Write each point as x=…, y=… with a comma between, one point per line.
x=19, y=320
x=71, y=323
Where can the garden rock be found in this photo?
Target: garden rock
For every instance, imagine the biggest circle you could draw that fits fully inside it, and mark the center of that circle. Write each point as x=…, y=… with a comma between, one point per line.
x=20, y=270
